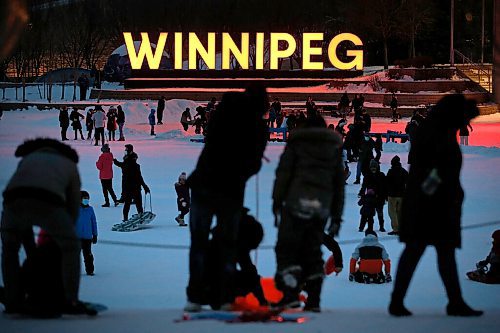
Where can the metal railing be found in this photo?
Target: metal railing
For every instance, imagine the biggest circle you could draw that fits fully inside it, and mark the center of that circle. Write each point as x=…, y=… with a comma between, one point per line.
x=482, y=71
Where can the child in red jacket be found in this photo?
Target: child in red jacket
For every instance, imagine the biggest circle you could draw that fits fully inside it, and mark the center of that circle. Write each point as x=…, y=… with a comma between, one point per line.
x=105, y=166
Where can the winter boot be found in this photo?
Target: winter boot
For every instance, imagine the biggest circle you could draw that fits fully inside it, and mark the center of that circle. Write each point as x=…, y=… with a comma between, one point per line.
x=462, y=310
x=397, y=309
x=180, y=220
x=287, y=280
x=313, y=289
x=105, y=204
x=357, y=181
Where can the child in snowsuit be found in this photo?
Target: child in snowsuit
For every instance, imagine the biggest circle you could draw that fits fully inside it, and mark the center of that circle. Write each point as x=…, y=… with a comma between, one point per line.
x=183, y=199
x=86, y=230
x=367, y=211
x=491, y=275
x=152, y=121
x=367, y=259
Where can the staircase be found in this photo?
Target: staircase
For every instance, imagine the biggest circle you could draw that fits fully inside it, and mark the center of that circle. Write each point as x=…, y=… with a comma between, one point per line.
x=479, y=73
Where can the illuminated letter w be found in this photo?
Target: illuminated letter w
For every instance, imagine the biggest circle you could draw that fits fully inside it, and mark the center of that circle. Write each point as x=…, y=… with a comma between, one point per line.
x=136, y=59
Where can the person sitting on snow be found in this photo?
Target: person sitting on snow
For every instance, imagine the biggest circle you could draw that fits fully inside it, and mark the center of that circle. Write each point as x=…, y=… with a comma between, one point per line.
x=491, y=275
x=247, y=279
x=367, y=259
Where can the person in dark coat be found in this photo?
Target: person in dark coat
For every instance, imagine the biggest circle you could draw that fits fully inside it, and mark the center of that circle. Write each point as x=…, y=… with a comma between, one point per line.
x=44, y=191
x=132, y=182
x=432, y=205
x=120, y=120
x=366, y=147
x=367, y=211
x=367, y=121
x=311, y=110
x=308, y=190
x=186, y=119
x=183, y=199
x=394, y=108
x=375, y=180
x=464, y=134
x=75, y=123
x=344, y=105
x=64, y=122
x=83, y=84
x=159, y=110
x=111, y=123
x=89, y=123
x=218, y=185
x=396, y=179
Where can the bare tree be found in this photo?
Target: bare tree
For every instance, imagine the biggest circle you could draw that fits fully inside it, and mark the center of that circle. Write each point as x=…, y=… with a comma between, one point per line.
x=415, y=16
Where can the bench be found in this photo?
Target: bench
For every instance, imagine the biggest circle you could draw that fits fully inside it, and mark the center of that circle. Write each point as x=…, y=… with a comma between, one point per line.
x=392, y=135
x=279, y=130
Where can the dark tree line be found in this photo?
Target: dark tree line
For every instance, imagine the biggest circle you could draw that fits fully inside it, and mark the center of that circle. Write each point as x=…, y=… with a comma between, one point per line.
x=82, y=33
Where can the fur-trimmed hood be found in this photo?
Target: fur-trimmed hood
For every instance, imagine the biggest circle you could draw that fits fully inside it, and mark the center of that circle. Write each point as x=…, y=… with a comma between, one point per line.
x=31, y=146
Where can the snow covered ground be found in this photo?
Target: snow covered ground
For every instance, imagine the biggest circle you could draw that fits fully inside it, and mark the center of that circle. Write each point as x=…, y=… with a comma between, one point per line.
x=142, y=275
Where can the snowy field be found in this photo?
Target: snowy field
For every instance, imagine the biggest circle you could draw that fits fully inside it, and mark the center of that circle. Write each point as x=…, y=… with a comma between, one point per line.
x=142, y=275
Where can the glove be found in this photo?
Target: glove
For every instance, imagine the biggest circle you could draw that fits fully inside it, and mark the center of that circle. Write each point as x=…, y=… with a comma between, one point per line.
x=184, y=204
x=94, y=239
x=388, y=278
x=334, y=228
x=351, y=277
x=338, y=270
x=276, y=213
x=146, y=189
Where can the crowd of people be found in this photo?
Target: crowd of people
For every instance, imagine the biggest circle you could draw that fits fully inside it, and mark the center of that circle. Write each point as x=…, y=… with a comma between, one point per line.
x=307, y=203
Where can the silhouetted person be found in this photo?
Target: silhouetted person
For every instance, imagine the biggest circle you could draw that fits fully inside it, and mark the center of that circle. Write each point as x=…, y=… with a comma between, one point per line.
x=432, y=205
x=64, y=122
x=218, y=185
x=83, y=83
x=159, y=110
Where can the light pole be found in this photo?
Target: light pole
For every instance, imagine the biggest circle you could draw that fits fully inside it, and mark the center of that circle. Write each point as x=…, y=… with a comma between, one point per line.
x=452, y=19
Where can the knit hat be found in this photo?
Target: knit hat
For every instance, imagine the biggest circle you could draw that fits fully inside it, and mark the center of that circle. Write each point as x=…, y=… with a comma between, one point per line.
x=129, y=147
x=105, y=148
x=396, y=161
x=182, y=176
x=496, y=235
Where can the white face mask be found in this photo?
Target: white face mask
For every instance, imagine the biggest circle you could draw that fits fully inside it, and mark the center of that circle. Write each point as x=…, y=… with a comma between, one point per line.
x=85, y=202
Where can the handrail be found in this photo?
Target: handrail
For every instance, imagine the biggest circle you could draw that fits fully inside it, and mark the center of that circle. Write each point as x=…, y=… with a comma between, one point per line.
x=472, y=65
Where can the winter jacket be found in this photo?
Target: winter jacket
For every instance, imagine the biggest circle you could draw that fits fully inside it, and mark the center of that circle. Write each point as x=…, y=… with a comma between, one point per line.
x=370, y=255
x=183, y=197
x=120, y=118
x=225, y=165
x=434, y=218
x=89, y=123
x=86, y=225
x=99, y=119
x=161, y=104
x=63, y=118
x=111, y=122
x=152, y=118
x=310, y=175
x=186, y=117
x=396, y=180
x=75, y=119
x=366, y=154
x=131, y=176
x=377, y=182
x=368, y=205
x=105, y=166
x=47, y=171
x=394, y=102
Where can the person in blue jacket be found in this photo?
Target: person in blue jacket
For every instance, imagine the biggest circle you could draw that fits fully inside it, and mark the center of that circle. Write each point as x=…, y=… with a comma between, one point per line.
x=86, y=230
x=152, y=121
